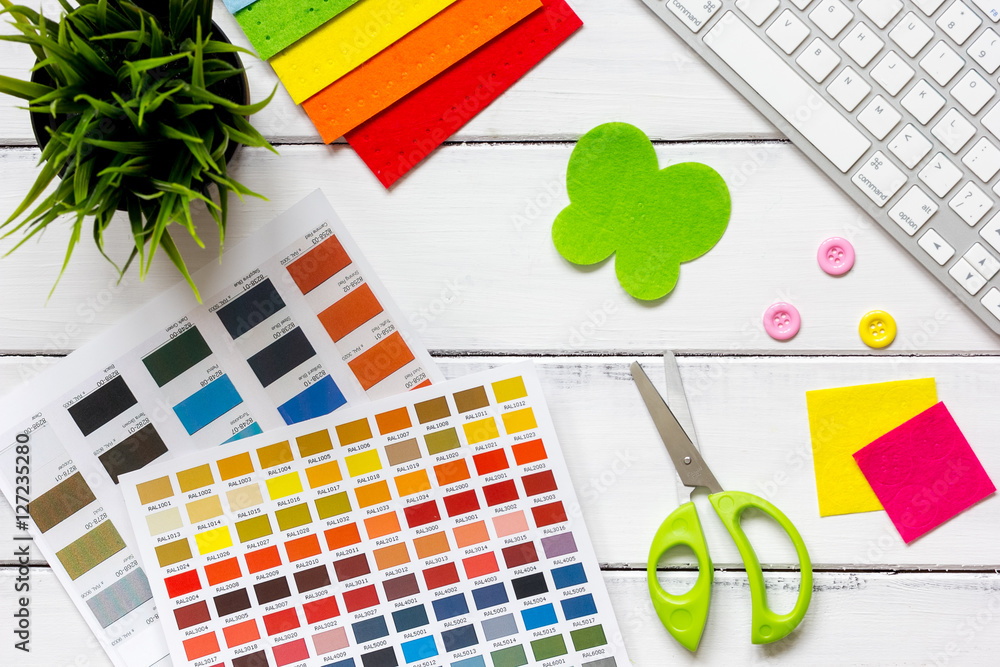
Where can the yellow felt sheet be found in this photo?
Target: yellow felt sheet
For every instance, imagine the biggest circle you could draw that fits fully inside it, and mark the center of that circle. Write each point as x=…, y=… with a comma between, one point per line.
x=348, y=40
x=845, y=419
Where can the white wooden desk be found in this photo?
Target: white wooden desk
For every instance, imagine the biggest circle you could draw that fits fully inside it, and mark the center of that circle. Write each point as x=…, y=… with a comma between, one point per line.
x=463, y=244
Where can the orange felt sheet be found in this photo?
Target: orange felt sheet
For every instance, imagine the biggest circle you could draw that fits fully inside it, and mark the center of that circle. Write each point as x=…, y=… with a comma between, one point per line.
x=415, y=59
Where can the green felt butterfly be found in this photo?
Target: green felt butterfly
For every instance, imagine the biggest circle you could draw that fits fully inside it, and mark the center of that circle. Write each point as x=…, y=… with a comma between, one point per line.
x=622, y=202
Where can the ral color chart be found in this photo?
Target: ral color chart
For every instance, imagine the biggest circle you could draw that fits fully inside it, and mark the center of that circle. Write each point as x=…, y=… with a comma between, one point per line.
x=430, y=528
x=296, y=326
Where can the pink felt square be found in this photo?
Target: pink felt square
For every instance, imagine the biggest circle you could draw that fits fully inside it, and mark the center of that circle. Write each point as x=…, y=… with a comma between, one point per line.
x=924, y=472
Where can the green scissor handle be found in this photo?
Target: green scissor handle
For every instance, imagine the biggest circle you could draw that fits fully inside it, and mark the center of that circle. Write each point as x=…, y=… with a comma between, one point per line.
x=685, y=615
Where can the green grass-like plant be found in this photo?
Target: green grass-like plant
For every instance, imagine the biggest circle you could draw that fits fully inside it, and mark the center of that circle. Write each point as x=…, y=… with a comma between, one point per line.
x=134, y=95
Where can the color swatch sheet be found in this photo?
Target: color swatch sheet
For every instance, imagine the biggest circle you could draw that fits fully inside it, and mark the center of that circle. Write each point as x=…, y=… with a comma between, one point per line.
x=297, y=326
x=436, y=527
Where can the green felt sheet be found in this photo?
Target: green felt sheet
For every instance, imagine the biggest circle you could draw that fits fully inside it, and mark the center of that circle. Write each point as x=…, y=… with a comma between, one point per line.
x=273, y=25
x=622, y=203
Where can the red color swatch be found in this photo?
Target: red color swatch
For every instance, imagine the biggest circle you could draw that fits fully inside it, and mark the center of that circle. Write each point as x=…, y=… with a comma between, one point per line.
x=520, y=554
x=441, y=576
x=361, y=598
x=286, y=654
x=461, y=503
x=183, y=583
x=540, y=482
x=396, y=140
x=281, y=621
x=424, y=513
x=500, y=493
x=321, y=609
x=546, y=515
x=493, y=461
x=481, y=565
x=316, y=266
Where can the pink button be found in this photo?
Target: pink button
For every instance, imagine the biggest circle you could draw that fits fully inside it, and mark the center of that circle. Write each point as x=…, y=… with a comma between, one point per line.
x=782, y=321
x=836, y=256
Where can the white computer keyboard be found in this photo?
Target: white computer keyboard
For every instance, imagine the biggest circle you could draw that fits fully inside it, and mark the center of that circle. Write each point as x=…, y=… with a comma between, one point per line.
x=897, y=101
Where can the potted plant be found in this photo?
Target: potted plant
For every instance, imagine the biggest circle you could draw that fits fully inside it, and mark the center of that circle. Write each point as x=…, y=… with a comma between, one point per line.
x=138, y=106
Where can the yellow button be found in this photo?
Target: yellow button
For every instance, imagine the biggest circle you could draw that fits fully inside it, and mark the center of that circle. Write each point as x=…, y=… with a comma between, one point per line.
x=877, y=329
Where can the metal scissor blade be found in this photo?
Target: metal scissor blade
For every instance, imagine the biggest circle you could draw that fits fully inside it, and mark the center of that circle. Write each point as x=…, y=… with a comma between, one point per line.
x=687, y=460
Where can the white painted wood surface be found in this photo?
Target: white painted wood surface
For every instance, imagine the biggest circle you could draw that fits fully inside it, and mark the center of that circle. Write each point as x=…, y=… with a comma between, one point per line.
x=463, y=244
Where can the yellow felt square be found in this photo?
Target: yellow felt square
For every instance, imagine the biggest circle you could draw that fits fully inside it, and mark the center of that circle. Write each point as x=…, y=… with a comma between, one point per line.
x=338, y=46
x=842, y=421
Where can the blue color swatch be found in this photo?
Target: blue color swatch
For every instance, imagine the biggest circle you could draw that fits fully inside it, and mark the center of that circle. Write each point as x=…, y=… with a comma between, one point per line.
x=578, y=607
x=207, y=404
x=451, y=607
x=571, y=575
x=539, y=617
x=370, y=630
x=490, y=596
x=320, y=399
x=459, y=638
x=409, y=618
x=419, y=649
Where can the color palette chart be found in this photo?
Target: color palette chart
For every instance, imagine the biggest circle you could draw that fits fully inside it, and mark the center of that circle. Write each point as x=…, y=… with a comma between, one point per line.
x=431, y=528
x=297, y=326
x=405, y=74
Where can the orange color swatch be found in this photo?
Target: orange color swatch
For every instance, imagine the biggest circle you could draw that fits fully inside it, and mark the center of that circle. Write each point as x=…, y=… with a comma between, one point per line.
x=349, y=313
x=379, y=362
x=412, y=61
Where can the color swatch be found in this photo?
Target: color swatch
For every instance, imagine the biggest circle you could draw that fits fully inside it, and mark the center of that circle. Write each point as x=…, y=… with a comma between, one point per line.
x=370, y=537
x=177, y=377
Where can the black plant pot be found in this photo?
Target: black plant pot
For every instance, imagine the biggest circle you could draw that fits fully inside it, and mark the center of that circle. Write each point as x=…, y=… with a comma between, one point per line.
x=236, y=89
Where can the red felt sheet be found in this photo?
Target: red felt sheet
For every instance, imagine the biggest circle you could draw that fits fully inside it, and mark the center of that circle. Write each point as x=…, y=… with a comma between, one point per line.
x=396, y=140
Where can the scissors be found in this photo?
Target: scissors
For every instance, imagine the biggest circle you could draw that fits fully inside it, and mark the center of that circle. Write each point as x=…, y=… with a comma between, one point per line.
x=685, y=615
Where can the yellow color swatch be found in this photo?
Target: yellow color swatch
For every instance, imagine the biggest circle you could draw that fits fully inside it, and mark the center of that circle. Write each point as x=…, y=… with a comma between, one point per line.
x=323, y=474
x=336, y=48
x=243, y=497
x=412, y=61
x=519, y=420
x=509, y=389
x=480, y=430
x=204, y=509
x=284, y=485
x=412, y=482
x=213, y=540
x=363, y=463
x=842, y=421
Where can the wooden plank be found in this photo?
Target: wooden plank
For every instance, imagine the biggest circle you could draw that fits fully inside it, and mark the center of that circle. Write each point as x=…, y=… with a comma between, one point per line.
x=623, y=65
x=857, y=619
x=464, y=246
x=751, y=420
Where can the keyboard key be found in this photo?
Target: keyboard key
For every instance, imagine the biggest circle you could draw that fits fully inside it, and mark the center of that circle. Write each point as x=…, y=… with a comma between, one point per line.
x=928, y=6
x=982, y=261
x=757, y=10
x=923, y=101
x=991, y=121
x=991, y=8
x=983, y=159
x=973, y=92
x=801, y=4
x=694, y=13
x=831, y=16
x=971, y=204
x=910, y=146
x=913, y=210
x=911, y=34
x=892, y=73
x=818, y=60
x=862, y=44
x=786, y=92
x=954, y=131
x=940, y=175
x=787, y=32
x=879, y=117
x=959, y=21
x=879, y=178
x=936, y=247
x=849, y=89
x=991, y=232
x=880, y=11
x=992, y=302
x=986, y=50
x=967, y=276
x=942, y=63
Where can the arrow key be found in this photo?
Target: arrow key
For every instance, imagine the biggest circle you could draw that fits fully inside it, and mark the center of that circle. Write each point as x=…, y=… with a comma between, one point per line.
x=991, y=232
x=910, y=146
x=967, y=276
x=982, y=261
x=936, y=247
